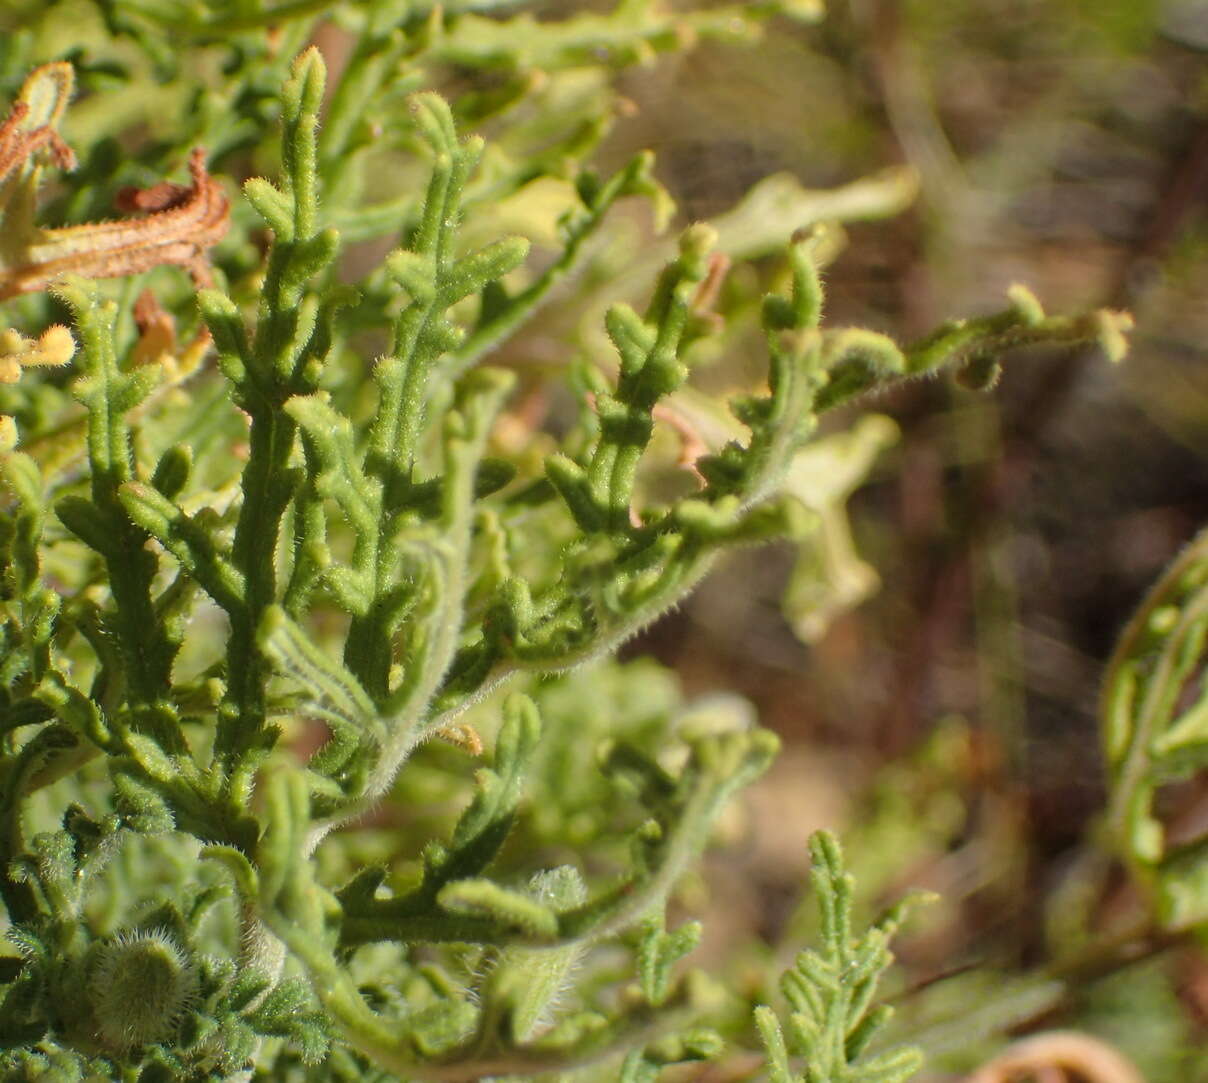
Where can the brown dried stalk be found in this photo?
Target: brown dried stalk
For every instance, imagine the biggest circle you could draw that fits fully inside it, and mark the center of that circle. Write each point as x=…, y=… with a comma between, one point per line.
x=180, y=222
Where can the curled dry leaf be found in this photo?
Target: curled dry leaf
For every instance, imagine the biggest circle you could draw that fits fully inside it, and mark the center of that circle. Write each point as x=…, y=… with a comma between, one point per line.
x=1058, y=1056
x=179, y=223
x=157, y=340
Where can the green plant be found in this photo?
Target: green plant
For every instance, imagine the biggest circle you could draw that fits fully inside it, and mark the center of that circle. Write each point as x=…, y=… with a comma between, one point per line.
x=1155, y=732
x=240, y=605
x=831, y=993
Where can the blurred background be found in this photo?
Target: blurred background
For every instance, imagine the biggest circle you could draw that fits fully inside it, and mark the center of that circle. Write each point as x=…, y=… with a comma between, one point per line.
x=947, y=715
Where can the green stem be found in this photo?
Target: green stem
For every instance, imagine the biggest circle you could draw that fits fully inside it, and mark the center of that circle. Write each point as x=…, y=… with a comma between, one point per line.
x=257, y=535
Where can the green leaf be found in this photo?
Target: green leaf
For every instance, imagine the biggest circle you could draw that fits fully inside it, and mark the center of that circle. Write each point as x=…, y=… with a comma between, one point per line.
x=275, y=207
x=525, y=983
x=512, y=909
x=87, y=522
x=332, y=692
x=189, y=541
x=831, y=990
x=659, y=953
